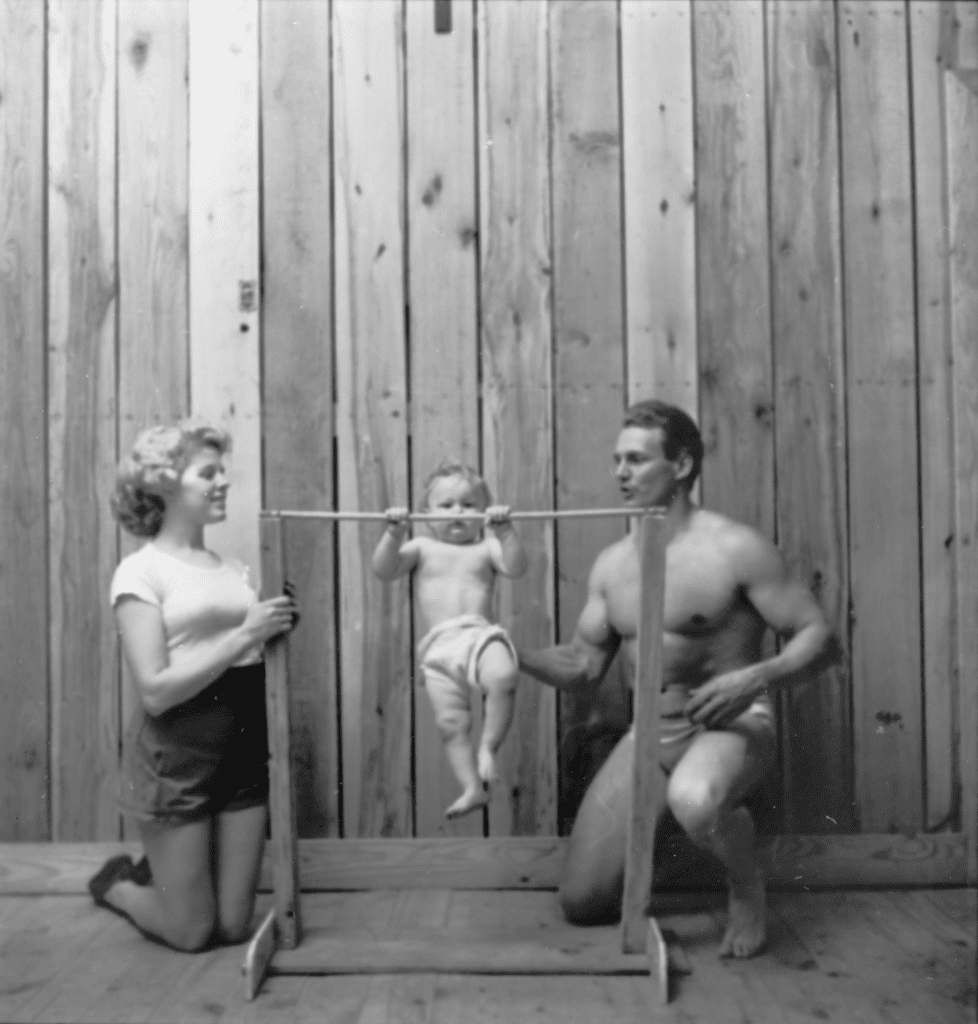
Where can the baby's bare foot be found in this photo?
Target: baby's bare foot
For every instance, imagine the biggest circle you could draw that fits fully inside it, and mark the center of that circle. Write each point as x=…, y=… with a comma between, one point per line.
x=468, y=801
x=487, y=766
x=746, y=919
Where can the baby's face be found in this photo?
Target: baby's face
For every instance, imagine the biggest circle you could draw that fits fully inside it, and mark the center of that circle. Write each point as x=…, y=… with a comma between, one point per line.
x=454, y=495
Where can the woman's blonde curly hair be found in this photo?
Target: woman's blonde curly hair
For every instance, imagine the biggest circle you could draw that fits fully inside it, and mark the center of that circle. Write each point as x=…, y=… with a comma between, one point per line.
x=159, y=456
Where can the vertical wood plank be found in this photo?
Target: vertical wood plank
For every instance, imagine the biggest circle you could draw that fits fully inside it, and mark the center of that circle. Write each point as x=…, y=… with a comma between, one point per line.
x=153, y=141
x=589, y=355
x=297, y=374
x=24, y=705
x=733, y=254
x=82, y=416
x=810, y=393
x=881, y=386
x=647, y=781
x=516, y=329
x=282, y=777
x=962, y=149
x=935, y=385
x=224, y=293
x=659, y=201
x=153, y=310
x=733, y=289
x=441, y=221
x=371, y=412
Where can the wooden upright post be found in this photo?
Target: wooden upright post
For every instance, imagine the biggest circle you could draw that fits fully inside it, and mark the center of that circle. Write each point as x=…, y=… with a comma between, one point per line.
x=285, y=855
x=646, y=775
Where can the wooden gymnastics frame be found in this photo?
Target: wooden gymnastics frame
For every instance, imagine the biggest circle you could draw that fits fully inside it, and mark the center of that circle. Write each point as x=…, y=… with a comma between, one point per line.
x=642, y=947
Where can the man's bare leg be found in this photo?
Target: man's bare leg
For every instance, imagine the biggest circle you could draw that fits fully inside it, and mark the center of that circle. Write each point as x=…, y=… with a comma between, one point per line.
x=594, y=871
x=497, y=676
x=705, y=792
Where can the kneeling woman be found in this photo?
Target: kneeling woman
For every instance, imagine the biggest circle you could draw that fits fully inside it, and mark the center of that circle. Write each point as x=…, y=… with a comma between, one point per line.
x=196, y=761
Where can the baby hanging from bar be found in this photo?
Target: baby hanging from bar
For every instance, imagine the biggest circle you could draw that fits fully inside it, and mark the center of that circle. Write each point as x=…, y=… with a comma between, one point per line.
x=463, y=651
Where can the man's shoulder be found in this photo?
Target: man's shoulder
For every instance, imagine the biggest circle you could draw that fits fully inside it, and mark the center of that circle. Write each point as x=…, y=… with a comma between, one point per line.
x=609, y=559
x=744, y=545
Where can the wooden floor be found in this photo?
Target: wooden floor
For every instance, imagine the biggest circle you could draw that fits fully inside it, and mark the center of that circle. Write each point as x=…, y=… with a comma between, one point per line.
x=906, y=957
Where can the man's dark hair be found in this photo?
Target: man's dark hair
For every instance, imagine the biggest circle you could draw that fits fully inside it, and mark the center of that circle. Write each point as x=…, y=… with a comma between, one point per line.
x=680, y=433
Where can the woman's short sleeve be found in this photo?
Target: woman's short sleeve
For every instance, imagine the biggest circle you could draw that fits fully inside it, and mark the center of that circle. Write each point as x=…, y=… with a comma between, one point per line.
x=132, y=577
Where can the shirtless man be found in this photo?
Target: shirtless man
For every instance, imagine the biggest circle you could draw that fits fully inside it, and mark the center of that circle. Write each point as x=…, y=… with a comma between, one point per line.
x=725, y=585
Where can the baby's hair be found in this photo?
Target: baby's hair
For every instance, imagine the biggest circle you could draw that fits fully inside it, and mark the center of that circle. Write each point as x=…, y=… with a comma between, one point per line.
x=448, y=468
x=159, y=456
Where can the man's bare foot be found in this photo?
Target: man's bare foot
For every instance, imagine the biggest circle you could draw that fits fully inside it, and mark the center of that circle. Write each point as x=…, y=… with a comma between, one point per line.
x=468, y=801
x=746, y=919
x=487, y=766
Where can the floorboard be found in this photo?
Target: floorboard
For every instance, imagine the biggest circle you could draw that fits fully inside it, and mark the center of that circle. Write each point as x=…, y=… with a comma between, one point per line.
x=874, y=957
x=41, y=942
x=847, y=943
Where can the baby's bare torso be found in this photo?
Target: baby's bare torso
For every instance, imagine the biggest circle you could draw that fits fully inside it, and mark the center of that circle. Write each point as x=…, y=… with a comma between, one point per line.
x=452, y=580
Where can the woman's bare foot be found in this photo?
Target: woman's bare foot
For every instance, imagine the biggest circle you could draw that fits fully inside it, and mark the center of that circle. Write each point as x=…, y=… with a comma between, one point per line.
x=487, y=766
x=746, y=919
x=468, y=801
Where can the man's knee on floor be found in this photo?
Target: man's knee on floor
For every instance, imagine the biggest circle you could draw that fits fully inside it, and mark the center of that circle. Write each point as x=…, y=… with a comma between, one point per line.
x=585, y=905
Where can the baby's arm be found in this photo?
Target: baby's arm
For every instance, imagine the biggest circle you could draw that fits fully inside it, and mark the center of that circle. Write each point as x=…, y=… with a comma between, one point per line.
x=505, y=550
x=392, y=558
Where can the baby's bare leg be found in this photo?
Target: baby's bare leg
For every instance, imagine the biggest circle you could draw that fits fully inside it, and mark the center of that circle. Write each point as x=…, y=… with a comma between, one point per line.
x=453, y=717
x=497, y=676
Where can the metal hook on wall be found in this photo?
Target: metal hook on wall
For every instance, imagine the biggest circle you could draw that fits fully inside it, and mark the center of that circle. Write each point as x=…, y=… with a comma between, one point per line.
x=443, y=16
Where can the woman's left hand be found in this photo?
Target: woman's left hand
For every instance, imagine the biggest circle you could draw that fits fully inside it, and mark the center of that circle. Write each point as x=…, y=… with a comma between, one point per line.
x=288, y=588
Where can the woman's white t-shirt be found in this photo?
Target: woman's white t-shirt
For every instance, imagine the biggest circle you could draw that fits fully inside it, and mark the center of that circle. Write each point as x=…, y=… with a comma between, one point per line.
x=200, y=605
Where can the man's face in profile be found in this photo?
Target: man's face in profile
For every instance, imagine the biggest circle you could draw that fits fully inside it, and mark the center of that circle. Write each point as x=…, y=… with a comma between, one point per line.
x=645, y=476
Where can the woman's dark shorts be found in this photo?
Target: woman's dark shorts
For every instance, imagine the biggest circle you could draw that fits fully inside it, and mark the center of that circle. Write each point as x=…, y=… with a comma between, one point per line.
x=203, y=757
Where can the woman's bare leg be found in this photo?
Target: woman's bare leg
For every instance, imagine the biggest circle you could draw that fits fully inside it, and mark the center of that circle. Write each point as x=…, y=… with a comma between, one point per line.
x=179, y=907
x=239, y=842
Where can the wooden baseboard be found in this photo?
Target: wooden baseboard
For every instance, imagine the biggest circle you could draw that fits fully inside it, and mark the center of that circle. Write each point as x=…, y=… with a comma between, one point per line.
x=525, y=863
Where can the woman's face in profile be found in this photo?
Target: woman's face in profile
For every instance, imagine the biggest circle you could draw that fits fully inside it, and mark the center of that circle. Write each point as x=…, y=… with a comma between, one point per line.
x=203, y=488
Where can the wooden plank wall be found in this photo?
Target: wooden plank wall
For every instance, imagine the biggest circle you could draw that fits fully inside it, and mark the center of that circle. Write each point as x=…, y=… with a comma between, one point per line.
x=298, y=366
x=515, y=306
x=366, y=245
x=82, y=415
x=24, y=696
x=809, y=392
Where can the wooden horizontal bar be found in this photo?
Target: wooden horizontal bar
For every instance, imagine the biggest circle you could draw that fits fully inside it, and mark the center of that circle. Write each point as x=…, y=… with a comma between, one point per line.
x=333, y=952
x=434, y=517
x=527, y=862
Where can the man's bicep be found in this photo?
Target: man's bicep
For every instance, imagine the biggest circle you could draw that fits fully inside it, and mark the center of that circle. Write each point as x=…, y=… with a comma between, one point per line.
x=783, y=601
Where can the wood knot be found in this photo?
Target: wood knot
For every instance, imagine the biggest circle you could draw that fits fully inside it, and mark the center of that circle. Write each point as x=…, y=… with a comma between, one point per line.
x=433, y=191
x=139, y=51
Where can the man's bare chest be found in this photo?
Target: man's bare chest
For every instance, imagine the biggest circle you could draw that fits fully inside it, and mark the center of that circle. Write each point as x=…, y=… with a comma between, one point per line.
x=702, y=594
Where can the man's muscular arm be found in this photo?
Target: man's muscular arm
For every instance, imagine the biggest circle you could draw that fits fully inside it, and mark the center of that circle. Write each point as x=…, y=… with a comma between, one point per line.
x=791, y=611
x=584, y=661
